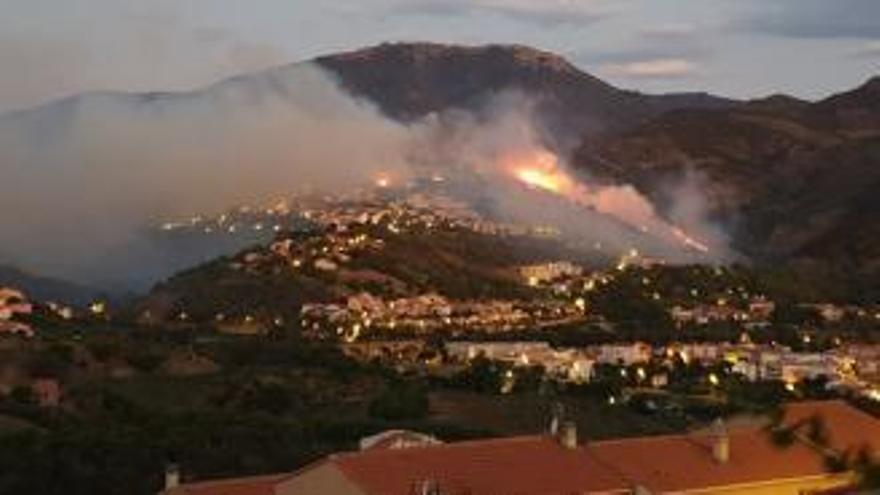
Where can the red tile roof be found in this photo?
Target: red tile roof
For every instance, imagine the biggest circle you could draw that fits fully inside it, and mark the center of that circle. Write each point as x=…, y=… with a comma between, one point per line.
x=848, y=427
x=683, y=462
x=539, y=465
x=520, y=465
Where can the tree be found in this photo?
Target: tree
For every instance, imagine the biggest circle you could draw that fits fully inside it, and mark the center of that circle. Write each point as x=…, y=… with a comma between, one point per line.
x=401, y=401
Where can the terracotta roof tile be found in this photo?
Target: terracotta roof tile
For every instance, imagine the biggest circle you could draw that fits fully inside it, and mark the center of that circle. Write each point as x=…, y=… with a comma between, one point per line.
x=520, y=465
x=539, y=465
x=848, y=427
x=682, y=462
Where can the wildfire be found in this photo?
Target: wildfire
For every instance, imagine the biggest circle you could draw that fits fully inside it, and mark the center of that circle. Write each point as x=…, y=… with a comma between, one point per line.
x=538, y=178
x=689, y=241
x=540, y=169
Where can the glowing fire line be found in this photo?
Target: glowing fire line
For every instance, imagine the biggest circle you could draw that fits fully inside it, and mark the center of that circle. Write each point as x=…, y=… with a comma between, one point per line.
x=542, y=171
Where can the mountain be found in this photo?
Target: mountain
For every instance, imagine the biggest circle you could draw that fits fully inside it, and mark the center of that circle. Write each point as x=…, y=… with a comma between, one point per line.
x=794, y=180
x=789, y=179
x=410, y=80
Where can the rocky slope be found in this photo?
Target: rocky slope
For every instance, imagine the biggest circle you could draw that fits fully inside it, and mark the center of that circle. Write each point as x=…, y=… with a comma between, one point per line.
x=410, y=80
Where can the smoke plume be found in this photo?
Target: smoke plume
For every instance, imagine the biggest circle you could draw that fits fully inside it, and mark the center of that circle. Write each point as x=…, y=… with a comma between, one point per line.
x=80, y=179
x=506, y=146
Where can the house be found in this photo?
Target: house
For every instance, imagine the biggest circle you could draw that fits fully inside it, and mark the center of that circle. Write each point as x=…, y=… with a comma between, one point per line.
x=569, y=365
x=719, y=460
x=548, y=272
x=13, y=302
x=796, y=367
x=500, y=351
x=864, y=359
x=398, y=439
x=626, y=354
x=760, y=308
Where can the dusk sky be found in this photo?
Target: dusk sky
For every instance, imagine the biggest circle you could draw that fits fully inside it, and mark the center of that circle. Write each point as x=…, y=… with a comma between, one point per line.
x=740, y=48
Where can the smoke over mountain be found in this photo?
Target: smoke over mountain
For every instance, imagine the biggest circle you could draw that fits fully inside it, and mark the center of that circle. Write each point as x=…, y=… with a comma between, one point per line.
x=80, y=179
x=530, y=181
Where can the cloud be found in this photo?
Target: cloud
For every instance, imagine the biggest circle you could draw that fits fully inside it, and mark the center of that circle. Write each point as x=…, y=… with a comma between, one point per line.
x=663, y=51
x=661, y=68
x=546, y=13
x=813, y=18
x=677, y=31
x=136, y=51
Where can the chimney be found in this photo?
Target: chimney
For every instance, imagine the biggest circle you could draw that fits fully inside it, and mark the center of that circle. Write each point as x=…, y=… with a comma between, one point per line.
x=568, y=437
x=720, y=442
x=172, y=477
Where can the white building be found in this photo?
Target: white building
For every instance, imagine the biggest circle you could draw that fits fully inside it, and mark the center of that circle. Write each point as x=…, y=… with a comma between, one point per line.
x=548, y=272
x=627, y=354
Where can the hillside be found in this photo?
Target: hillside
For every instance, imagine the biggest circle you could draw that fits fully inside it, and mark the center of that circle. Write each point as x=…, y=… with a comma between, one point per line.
x=271, y=285
x=793, y=180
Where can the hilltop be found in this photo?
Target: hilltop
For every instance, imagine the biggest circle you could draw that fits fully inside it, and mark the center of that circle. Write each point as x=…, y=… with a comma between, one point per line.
x=411, y=80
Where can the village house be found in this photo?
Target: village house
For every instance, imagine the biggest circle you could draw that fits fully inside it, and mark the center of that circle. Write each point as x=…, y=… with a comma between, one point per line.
x=761, y=308
x=14, y=303
x=796, y=367
x=570, y=365
x=864, y=359
x=626, y=354
x=705, y=314
x=548, y=272
x=719, y=460
x=496, y=351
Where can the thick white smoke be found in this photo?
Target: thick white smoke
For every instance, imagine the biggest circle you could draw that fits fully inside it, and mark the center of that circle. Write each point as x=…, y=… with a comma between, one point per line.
x=506, y=146
x=80, y=179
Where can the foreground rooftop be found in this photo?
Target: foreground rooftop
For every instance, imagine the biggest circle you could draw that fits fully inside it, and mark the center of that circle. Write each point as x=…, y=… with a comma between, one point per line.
x=741, y=460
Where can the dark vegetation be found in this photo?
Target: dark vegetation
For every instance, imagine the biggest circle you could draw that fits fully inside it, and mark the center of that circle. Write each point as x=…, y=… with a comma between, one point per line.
x=221, y=406
x=217, y=406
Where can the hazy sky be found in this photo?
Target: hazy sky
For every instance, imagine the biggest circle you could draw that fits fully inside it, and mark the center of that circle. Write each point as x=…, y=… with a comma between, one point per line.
x=742, y=48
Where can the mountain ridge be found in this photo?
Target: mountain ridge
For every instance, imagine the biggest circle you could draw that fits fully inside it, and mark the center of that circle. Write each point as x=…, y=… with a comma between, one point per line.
x=410, y=80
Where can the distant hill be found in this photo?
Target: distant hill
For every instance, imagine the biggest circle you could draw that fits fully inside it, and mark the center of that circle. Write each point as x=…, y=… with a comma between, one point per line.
x=46, y=288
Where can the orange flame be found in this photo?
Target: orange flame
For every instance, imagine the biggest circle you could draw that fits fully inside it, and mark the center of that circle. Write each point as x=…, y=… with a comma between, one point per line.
x=540, y=169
